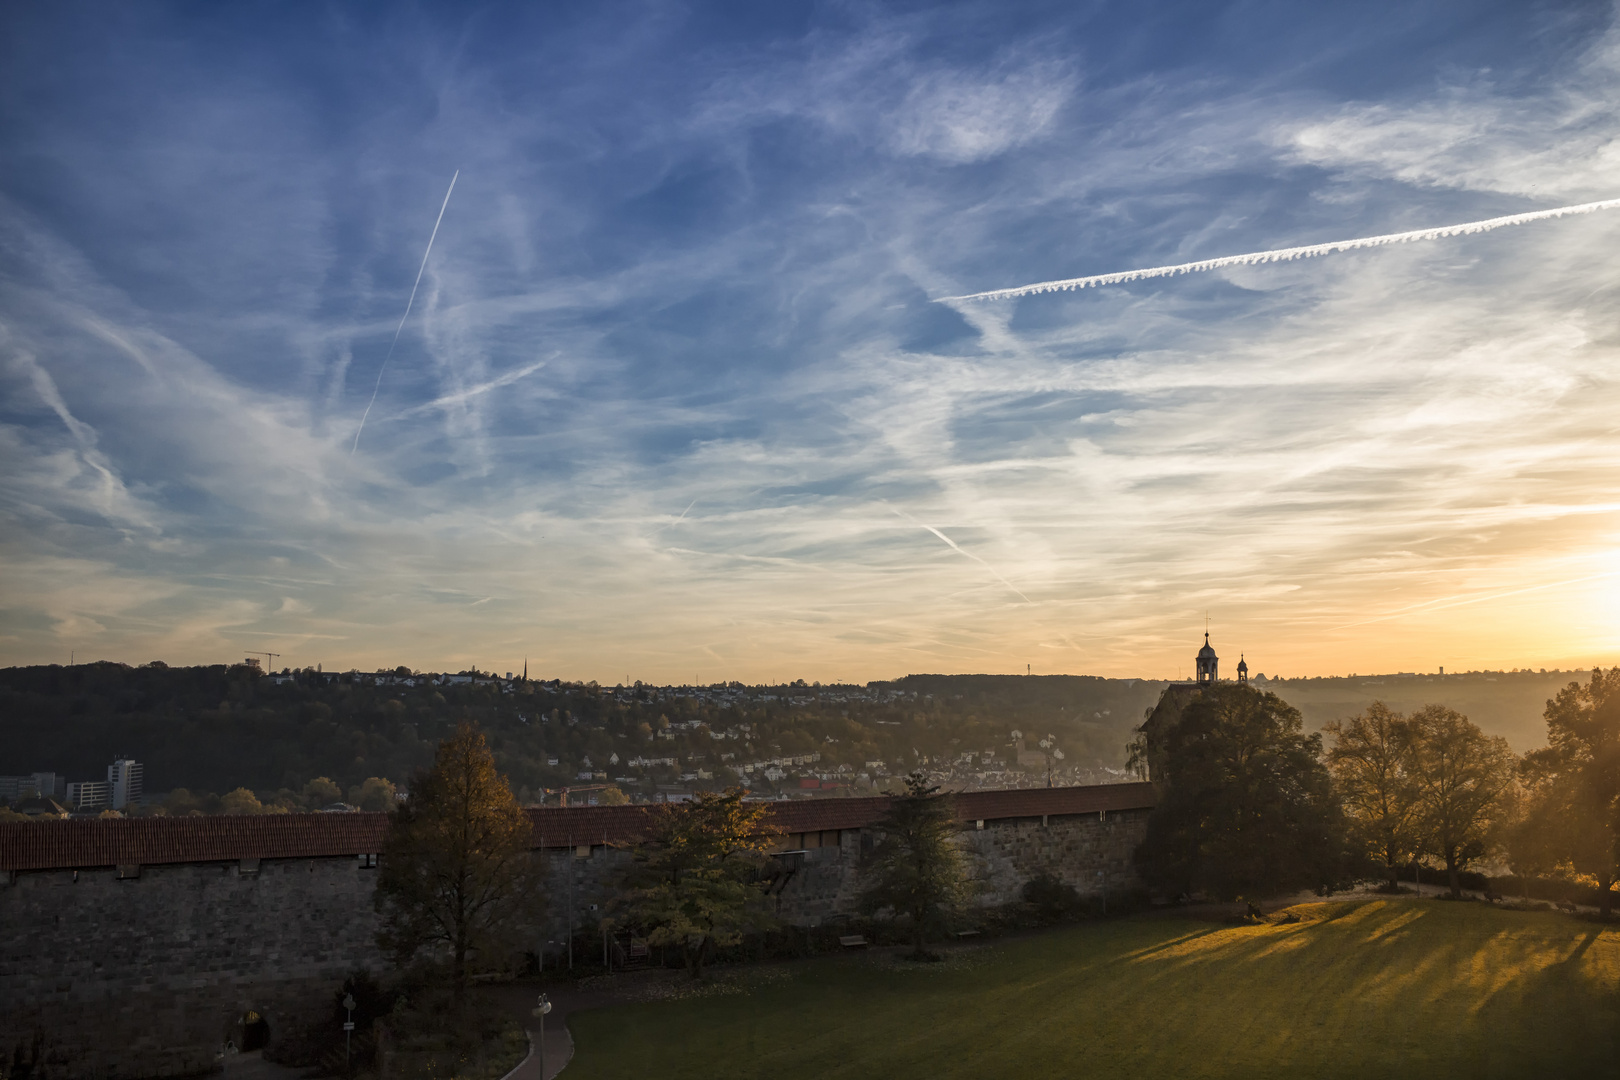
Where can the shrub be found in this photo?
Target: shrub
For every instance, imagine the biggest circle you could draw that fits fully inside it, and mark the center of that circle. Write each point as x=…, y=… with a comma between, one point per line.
x=1051, y=898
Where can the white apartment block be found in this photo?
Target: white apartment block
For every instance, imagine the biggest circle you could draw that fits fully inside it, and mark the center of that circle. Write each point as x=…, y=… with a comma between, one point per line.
x=88, y=794
x=127, y=779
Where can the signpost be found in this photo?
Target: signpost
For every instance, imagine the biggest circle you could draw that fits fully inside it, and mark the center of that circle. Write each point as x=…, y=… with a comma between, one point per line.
x=348, y=1035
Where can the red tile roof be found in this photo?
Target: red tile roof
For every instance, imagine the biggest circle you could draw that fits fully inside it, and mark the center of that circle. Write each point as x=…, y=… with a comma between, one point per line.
x=95, y=842
x=83, y=843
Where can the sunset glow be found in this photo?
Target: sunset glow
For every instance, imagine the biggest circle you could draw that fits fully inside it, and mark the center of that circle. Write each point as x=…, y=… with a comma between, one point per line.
x=674, y=401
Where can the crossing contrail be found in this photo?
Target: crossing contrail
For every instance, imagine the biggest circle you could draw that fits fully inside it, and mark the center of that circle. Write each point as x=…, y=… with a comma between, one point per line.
x=402, y=318
x=960, y=550
x=1283, y=254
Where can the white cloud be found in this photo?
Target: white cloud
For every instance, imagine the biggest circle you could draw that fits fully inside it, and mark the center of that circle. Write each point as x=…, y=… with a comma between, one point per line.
x=709, y=494
x=1561, y=141
x=961, y=117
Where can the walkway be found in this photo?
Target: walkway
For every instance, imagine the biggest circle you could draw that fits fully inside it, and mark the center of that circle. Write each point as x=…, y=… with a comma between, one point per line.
x=520, y=999
x=252, y=1066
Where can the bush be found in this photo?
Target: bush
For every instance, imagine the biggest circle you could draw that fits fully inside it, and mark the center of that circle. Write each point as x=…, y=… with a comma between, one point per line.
x=1052, y=899
x=1550, y=889
x=1468, y=879
x=423, y=1037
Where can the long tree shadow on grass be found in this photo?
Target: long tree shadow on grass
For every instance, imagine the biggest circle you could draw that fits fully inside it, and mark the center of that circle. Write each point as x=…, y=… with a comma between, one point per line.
x=1352, y=990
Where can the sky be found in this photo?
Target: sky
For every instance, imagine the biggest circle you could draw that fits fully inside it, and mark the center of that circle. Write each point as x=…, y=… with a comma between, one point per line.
x=675, y=399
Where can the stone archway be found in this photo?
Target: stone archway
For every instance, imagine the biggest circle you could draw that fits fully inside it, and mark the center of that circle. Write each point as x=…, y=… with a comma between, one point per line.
x=253, y=1031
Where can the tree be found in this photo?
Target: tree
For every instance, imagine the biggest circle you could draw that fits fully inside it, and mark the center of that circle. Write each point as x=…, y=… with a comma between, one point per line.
x=612, y=796
x=1245, y=808
x=1372, y=761
x=916, y=870
x=458, y=877
x=1573, y=819
x=695, y=882
x=1463, y=776
x=375, y=794
x=241, y=801
x=321, y=792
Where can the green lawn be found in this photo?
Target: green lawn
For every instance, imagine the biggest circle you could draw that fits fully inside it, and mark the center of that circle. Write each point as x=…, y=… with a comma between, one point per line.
x=1416, y=988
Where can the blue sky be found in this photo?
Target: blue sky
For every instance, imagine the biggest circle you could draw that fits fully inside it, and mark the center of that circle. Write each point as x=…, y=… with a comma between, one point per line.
x=674, y=400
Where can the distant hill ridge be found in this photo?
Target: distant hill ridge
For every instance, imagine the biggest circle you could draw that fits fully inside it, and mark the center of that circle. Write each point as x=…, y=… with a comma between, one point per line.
x=217, y=727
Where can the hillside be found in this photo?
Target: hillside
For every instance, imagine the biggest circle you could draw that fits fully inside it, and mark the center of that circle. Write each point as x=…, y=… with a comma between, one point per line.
x=217, y=728
x=1505, y=703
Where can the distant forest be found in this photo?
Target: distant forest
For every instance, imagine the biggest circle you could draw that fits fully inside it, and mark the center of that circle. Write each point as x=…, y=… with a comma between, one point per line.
x=218, y=728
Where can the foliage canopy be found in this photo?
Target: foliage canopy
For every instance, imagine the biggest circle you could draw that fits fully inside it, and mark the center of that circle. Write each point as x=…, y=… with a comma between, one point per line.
x=1246, y=808
x=1372, y=761
x=916, y=870
x=1572, y=821
x=1463, y=776
x=696, y=883
x=458, y=880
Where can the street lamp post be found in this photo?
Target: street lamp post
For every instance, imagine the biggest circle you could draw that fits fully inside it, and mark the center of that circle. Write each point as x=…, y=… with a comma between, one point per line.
x=348, y=1035
x=540, y=1011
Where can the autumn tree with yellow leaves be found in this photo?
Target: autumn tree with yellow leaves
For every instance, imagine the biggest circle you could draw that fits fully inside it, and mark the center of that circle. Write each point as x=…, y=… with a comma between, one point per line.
x=458, y=882
x=696, y=882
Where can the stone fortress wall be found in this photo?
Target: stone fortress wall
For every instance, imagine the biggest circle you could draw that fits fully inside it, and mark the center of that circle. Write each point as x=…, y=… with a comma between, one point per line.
x=135, y=948
x=822, y=881
x=150, y=974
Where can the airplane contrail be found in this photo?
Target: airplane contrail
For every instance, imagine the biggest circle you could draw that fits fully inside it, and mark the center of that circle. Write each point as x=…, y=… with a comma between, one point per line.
x=472, y=391
x=433, y=236
x=961, y=551
x=1283, y=254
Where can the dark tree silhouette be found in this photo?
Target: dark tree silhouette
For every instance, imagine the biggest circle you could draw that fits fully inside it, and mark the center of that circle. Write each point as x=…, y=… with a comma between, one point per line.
x=1372, y=760
x=1246, y=808
x=1464, y=776
x=1573, y=814
x=916, y=870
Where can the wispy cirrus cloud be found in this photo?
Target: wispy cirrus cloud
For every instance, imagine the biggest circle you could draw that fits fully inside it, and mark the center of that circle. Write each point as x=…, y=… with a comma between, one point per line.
x=674, y=398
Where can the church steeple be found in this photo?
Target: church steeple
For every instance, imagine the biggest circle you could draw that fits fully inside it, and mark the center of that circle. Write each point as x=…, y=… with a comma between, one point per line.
x=1208, y=664
x=1243, y=669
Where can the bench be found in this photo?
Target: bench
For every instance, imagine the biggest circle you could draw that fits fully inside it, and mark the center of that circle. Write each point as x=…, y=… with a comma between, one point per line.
x=960, y=934
x=853, y=941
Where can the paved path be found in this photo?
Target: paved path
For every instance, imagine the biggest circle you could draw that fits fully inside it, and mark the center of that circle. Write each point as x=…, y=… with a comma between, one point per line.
x=252, y=1066
x=520, y=998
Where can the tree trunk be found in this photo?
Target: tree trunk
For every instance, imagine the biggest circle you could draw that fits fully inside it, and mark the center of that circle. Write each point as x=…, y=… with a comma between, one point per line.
x=458, y=979
x=1605, y=897
x=694, y=957
x=1451, y=876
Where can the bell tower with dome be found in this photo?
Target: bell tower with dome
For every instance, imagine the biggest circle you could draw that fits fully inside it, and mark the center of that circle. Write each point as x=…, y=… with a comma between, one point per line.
x=1208, y=663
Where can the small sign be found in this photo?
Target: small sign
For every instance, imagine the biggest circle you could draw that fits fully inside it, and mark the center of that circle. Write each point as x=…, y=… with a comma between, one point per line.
x=349, y=1026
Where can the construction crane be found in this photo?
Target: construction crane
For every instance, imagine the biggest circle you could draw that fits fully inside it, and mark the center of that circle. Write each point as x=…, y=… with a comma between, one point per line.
x=270, y=659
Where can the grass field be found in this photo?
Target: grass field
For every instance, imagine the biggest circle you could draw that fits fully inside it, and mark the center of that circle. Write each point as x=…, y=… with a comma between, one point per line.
x=1416, y=988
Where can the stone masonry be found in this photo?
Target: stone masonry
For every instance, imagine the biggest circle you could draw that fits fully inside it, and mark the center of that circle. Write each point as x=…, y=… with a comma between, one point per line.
x=136, y=948
x=149, y=974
